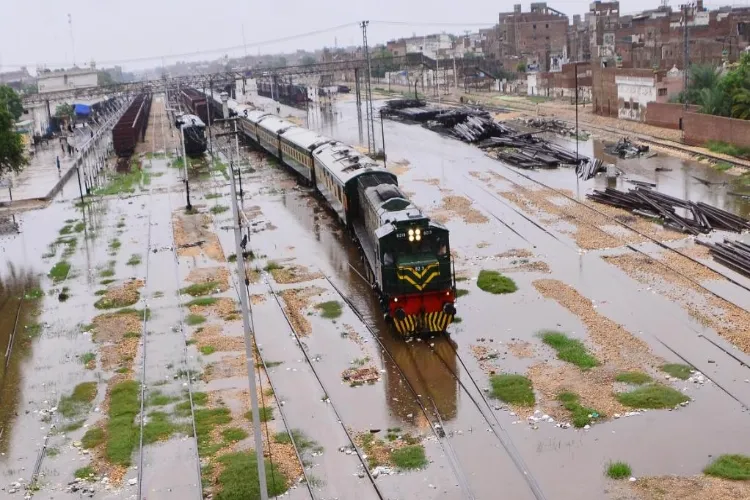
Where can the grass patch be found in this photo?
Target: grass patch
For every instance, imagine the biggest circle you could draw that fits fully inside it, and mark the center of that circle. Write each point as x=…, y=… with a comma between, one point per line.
x=122, y=434
x=618, y=470
x=157, y=398
x=234, y=434
x=79, y=401
x=202, y=301
x=67, y=229
x=73, y=426
x=200, y=398
x=330, y=309
x=722, y=166
x=734, y=467
x=513, y=389
x=677, y=370
x=121, y=183
x=728, y=149
x=59, y=271
x=135, y=259
x=79, y=227
x=218, y=209
x=207, y=350
x=579, y=413
x=132, y=335
x=206, y=419
x=106, y=303
x=409, y=457
x=635, y=378
x=141, y=313
x=84, y=473
x=88, y=358
x=494, y=282
x=568, y=349
x=460, y=292
x=34, y=293
x=271, y=265
x=53, y=452
x=115, y=244
x=107, y=273
x=239, y=478
x=264, y=412
x=200, y=289
x=158, y=428
x=93, y=438
x=211, y=196
x=456, y=320
x=652, y=396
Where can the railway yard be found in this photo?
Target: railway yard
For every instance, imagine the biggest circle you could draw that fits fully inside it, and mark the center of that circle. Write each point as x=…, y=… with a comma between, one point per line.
x=612, y=364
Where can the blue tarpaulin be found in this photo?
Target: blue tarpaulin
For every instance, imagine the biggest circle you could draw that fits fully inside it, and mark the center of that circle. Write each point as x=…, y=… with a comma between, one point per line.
x=82, y=109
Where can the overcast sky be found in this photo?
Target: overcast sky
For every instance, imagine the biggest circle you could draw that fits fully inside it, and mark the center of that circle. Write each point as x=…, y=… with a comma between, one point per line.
x=137, y=33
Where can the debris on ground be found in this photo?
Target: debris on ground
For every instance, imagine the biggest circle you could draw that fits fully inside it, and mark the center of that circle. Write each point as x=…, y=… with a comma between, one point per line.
x=359, y=376
x=675, y=213
x=625, y=148
x=733, y=254
x=555, y=126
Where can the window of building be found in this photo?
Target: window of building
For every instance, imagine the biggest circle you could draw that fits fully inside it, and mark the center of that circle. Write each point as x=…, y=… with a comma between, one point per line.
x=535, y=26
x=626, y=105
x=662, y=91
x=635, y=106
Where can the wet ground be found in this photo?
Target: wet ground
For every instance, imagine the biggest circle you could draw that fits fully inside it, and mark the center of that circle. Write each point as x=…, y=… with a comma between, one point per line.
x=498, y=219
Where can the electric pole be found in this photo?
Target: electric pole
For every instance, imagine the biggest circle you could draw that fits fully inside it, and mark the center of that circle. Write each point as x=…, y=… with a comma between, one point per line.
x=686, y=65
x=369, y=122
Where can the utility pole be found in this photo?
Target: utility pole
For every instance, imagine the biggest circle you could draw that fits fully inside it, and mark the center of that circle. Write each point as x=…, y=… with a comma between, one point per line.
x=249, y=334
x=72, y=39
x=368, y=93
x=686, y=65
x=358, y=94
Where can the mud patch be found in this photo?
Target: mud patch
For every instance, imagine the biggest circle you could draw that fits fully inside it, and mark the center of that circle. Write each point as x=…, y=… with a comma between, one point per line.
x=211, y=336
x=257, y=299
x=728, y=320
x=614, y=344
x=297, y=302
x=521, y=349
x=398, y=167
x=294, y=274
x=458, y=206
x=123, y=295
x=218, y=275
x=682, y=488
x=192, y=235
x=515, y=253
x=223, y=307
x=118, y=334
x=227, y=367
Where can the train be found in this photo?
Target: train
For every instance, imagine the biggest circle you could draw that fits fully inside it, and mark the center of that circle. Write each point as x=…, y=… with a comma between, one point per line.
x=406, y=255
x=194, y=132
x=131, y=127
x=287, y=93
x=195, y=102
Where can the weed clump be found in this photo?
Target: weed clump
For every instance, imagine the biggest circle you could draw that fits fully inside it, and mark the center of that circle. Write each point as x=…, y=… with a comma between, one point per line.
x=653, y=396
x=568, y=349
x=677, y=370
x=496, y=283
x=79, y=401
x=635, y=378
x=330, y=309
x=59, y=271
x=93, y=438
x=618, y=470
x=734, y=467
x=513, y=389
x=580, y=415
x=409, y=457
x=200, y=289
x=195, y=319
x=122, y=435
x=264, y=412
x=239, y=478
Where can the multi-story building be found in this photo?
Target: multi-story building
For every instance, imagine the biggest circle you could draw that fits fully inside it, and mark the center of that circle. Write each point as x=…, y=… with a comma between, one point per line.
x=76, y=78
x=535, y=37
x=603, y=20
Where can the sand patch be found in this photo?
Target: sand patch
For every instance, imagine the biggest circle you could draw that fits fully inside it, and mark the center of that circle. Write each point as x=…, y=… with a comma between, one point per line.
x=118, y=335
x=682, y=488
x=458, y=206
x=515, y=253
x=398, y=167
x=521, y=349
x=227, y=367
x=123, y=295
x=193, y=236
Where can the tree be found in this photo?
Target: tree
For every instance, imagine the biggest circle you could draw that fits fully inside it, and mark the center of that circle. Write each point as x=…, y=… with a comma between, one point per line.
x=308, y=60
x=11, y=101
x=521, y=67
x=12, y=158
x=64, y=110
x=741, y=104
x=714, y=101
x=104, y=78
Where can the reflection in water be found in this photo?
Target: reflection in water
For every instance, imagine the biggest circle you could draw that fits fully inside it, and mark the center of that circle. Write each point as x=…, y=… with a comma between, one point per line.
x=16, y=315
x=427, y=375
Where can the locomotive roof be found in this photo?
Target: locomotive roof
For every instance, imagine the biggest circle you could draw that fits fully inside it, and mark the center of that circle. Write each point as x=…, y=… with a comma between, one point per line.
x=304, y=138
x=274, y=124
x=189, y=120
x=345, y=162
x=255, y=116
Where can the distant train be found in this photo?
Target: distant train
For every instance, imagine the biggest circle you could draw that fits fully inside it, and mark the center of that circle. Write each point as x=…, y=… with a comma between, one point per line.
x=407, y=256
x=287, y=93
x=194, y=131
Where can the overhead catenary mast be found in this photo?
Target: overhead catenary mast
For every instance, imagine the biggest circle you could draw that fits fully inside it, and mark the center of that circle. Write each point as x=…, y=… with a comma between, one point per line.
x=72, y=40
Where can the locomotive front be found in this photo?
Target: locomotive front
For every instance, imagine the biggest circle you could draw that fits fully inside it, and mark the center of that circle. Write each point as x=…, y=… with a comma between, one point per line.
x=418, y=282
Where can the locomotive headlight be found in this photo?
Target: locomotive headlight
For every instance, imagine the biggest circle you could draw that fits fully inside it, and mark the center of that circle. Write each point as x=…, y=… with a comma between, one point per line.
x=411, y=237
x=418, y=231
x=411, y=232
x=419, y=236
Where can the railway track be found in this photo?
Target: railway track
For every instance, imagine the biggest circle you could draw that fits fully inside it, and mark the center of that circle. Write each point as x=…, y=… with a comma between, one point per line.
x=436, y=419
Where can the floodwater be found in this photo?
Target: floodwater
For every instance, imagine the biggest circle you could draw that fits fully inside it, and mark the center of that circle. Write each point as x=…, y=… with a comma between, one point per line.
x=563, y=460
x=486, y=445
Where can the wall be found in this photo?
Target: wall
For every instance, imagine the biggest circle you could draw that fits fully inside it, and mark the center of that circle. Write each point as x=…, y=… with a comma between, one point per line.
x=52, y=82
x=633, y=95
x=604, y=91
x=665, y=115
x=700, y=128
